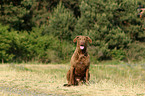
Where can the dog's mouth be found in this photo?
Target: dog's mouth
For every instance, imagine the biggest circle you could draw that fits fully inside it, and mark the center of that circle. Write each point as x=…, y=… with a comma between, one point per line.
x=82, y=47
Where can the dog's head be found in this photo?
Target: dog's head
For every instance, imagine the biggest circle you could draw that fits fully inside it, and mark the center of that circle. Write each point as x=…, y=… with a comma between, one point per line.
x=82, y=41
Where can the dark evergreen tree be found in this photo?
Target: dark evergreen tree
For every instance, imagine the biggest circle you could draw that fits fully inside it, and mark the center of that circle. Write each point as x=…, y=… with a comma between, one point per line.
x=111, y=24
x=61, y=23
x=16, y=14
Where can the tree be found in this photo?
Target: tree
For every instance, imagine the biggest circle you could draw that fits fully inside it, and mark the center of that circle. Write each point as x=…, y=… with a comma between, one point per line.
x=111, y=24
x=25, y=14
x=16, y=14
x=61, y=23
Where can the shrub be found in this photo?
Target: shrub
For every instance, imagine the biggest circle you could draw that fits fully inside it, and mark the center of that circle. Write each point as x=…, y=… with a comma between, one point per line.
x=5, y=41
x=118, y=54
x=34, y=46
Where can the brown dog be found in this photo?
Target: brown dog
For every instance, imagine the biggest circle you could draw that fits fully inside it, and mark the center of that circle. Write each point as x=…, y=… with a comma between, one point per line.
x=80, y=62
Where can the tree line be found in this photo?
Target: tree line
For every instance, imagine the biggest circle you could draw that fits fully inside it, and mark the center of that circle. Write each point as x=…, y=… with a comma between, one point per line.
x=43, y=30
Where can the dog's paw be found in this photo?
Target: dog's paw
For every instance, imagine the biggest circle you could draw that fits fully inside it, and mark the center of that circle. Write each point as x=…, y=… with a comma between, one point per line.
x=87, y=83
x=67, y=85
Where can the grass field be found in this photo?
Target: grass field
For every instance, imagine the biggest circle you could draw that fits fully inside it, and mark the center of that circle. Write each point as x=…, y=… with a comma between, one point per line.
x=48, y=80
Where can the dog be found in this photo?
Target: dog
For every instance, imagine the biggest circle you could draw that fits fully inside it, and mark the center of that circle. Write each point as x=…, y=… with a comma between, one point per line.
x=80, y=62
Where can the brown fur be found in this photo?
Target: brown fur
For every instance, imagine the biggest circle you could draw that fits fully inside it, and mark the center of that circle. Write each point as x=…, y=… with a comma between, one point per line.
x=80, y=62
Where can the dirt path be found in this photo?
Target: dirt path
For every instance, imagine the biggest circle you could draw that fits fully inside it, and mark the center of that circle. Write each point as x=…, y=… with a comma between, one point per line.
x=23, y=92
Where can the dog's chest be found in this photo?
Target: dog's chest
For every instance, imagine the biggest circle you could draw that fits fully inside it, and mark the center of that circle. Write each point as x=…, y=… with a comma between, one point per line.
x=80, y=64
x=80, y=68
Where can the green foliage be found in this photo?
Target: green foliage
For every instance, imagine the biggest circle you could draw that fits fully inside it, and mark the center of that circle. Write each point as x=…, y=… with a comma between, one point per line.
x=16, y=14
x=5, y=42
x=61, y=23
x=24, y=47
x=34, y=46
x=25, y=14
x=126, y=15
x=112, y=25
x=118, y=54
x=43, y=30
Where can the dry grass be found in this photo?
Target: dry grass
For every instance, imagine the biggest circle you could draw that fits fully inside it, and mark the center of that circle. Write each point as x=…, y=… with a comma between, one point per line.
x=106, y=80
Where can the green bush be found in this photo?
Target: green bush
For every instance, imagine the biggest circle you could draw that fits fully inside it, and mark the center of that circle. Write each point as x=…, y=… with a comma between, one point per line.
x=118, y=54
x=35, y=46
x=5, y=47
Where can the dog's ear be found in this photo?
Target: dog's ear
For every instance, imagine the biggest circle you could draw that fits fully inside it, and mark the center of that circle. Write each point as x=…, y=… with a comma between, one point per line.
x=75, y=39
x=88, y=38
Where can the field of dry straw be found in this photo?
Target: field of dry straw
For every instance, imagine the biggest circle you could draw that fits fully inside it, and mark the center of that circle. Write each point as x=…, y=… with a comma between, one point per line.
x=48, y=80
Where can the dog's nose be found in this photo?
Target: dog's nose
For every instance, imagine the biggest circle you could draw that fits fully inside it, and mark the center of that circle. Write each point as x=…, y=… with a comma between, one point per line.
x=82, y=43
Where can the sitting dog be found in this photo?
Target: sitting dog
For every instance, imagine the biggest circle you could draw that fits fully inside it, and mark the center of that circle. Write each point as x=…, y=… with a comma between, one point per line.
x=80, y=62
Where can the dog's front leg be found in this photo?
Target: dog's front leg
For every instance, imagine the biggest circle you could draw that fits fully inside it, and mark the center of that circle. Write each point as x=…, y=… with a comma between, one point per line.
x=87, y=76
x=71, y=80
